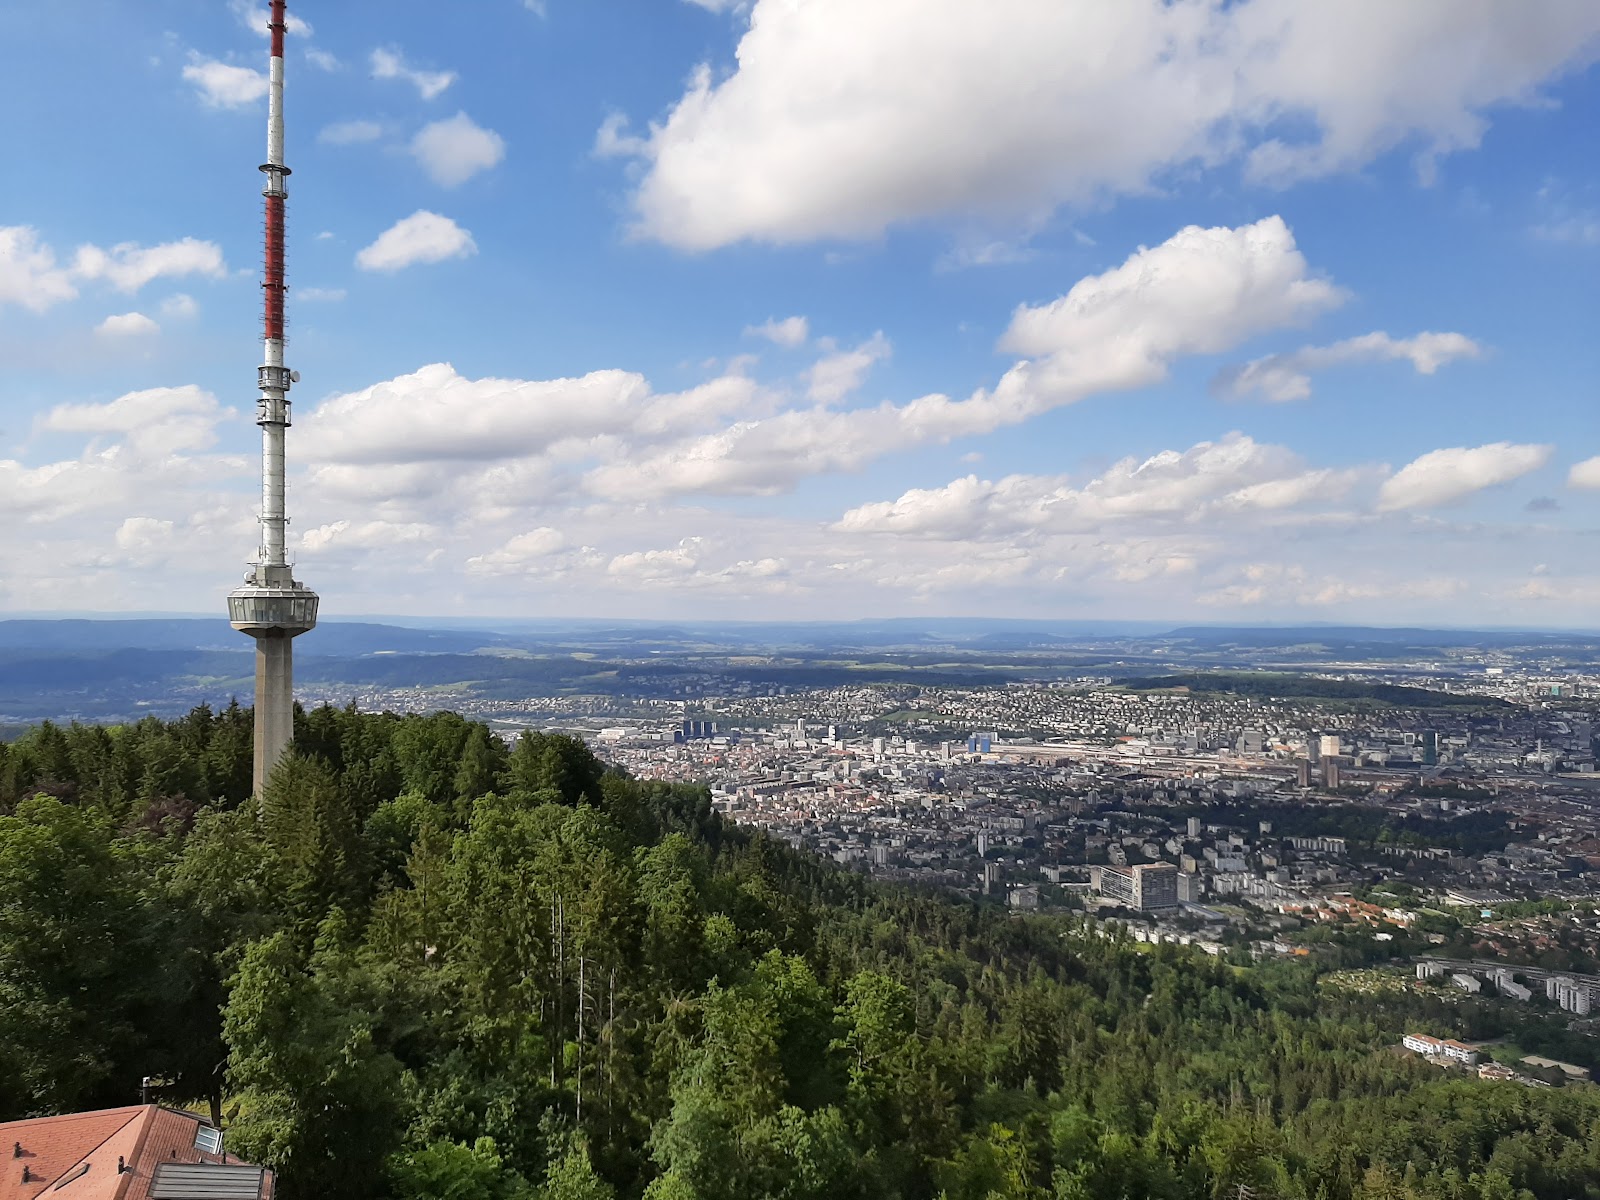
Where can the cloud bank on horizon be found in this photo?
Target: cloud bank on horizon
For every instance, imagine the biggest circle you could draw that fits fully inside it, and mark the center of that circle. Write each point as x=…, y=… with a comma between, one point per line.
x=1231, y=311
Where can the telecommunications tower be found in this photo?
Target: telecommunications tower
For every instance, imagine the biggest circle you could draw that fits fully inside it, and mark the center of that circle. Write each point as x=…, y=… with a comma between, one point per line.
x=272, y=606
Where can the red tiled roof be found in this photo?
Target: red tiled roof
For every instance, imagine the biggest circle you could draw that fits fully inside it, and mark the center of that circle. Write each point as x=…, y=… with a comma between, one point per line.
x=76, y=1156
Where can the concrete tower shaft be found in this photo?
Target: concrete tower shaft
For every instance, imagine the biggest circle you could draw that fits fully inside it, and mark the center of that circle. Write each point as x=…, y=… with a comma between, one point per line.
x=272, y=606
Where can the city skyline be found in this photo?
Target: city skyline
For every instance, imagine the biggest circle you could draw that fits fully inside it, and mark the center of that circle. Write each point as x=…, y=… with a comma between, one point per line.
x=1254, y=314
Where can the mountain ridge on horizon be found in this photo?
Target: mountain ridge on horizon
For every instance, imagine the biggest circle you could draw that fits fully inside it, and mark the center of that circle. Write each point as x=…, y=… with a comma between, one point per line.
x=1176, y=627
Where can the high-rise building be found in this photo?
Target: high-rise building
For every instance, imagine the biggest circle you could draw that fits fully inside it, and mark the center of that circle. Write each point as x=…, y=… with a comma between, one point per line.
x=1430, y=748
x=272, y=606
x=1193, y=828
x=1571, y=994
x=1330, y=773
x=991, y=877
x=1328, y=746
x=1148, y=887
x=1155, y=885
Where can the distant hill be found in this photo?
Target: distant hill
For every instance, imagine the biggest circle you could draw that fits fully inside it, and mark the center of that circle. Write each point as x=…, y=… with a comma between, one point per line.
x=118, y=669
x=332, y=637
x=1362, y=635
x=96, y=670
x=1267, y=684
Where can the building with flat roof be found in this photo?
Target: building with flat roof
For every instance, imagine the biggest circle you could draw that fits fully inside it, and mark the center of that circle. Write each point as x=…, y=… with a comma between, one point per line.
x=1023, y=896
x=1445, y=1048
x=1571, y=994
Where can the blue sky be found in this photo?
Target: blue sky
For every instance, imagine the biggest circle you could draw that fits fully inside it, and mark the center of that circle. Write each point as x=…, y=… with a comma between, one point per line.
x=1193, y=311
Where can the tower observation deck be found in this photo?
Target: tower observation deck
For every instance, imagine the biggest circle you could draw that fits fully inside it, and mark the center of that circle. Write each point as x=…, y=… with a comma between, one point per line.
x=272, y=606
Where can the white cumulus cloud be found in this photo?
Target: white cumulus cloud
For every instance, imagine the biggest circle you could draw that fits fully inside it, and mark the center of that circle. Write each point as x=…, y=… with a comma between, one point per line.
x=452, y=151
x=520, y=553
x=131, y=412
x=1585, y=474
x=223, y=85
x=789, y=333
x=143, y=535
x=29, y=276
x=1226, y=478
x=391, y=64
x=155, y=421
x=1201, y=291
x=844, y=118
x=834, y=376
x=654, y=566
x=451, y=418
x=1285, y=377
x=131, y=324
x=423, y=237
x=128, y=266
x=367, y=535
x=1445, y=476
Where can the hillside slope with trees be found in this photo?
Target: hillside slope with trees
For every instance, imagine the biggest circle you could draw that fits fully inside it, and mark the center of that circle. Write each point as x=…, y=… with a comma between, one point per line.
x=427, y=965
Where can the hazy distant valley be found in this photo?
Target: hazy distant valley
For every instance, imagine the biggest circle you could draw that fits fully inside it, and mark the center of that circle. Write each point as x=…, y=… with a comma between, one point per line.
x=116, y=670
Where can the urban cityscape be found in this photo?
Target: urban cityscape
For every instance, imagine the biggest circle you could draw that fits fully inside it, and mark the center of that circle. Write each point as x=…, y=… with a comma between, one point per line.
x=882, y=778
x=1460, y=843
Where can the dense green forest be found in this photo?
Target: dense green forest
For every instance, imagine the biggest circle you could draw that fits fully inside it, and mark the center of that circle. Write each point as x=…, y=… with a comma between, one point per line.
x=424, y=965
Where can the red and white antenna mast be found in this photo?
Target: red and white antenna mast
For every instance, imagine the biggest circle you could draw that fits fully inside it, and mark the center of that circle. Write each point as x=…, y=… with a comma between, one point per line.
x=274, y=377
x=273, y=606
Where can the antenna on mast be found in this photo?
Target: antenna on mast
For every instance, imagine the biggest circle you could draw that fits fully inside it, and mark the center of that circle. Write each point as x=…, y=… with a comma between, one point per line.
x=272, y=606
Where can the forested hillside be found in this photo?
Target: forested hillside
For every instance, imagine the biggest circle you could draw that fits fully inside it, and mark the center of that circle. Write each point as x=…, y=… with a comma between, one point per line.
x=424, y=966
